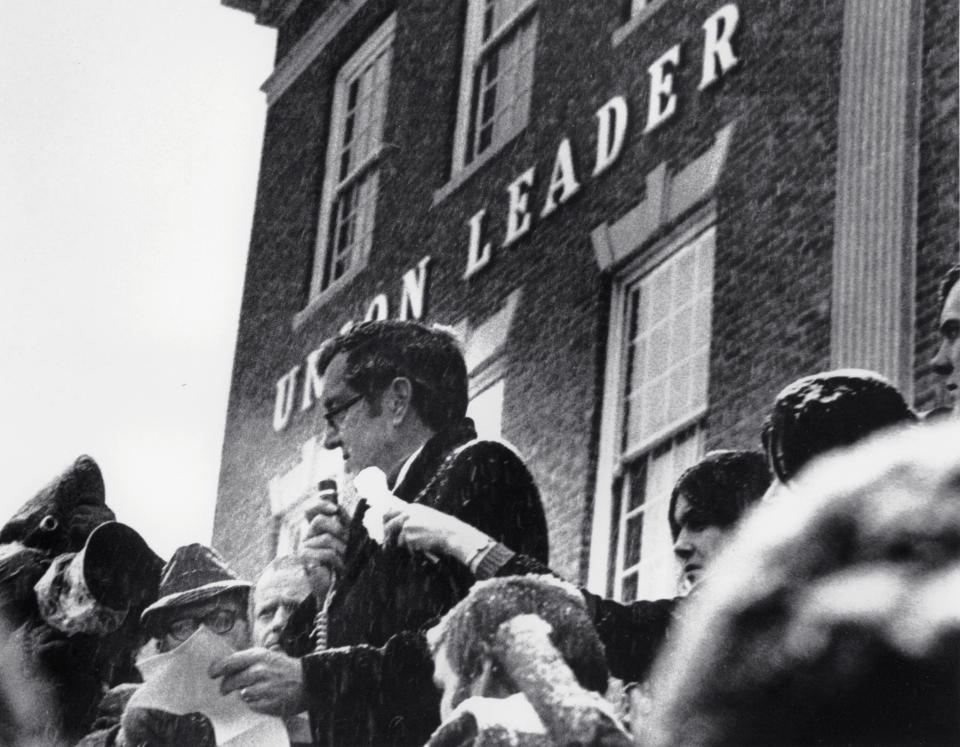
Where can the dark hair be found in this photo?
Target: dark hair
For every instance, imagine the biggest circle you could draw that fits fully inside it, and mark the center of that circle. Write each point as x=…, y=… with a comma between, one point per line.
x=825, y=411
x=946, y=285
x=469, y=629
x=377, y=352
x=720, y=487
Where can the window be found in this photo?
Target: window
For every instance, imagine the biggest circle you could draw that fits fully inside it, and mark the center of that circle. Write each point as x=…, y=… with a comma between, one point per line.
x=497, y=76
x=633, y=13
x=345, y=225
x=486, y=410
x=666, y=316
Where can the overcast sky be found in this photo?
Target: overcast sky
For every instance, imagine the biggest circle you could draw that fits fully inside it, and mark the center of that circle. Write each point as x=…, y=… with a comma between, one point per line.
x=130, y=135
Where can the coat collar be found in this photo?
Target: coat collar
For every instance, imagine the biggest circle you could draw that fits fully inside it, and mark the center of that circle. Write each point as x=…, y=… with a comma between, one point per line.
x=431, y=456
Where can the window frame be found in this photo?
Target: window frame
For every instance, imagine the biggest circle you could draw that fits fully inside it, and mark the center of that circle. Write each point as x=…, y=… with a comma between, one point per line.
x=614, y=455
x=363, y=174
x=475, y=49
x=640, y=12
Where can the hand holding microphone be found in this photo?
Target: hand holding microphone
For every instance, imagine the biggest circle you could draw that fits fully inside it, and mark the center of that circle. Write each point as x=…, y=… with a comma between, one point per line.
x=326, y=539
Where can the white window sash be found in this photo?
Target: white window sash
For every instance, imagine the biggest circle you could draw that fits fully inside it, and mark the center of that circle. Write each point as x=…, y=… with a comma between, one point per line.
x=333, y=186
x=475, y=49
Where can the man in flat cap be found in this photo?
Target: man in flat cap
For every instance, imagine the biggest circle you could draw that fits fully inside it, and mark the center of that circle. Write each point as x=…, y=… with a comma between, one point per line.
x=197, y=588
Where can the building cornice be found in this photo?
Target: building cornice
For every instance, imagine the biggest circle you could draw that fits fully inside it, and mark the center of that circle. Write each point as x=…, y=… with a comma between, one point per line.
x=305, y=51
x=268, y=12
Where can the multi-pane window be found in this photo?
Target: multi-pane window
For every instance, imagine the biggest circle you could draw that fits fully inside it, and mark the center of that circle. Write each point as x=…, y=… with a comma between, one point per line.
x=667, y=316
x=497, y=75
x=353, y=151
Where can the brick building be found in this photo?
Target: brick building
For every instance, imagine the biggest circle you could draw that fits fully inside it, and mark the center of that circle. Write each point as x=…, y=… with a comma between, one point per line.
x=644, y=217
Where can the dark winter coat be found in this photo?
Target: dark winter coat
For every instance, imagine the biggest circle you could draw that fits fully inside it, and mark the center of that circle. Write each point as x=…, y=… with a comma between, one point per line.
x=380, y=690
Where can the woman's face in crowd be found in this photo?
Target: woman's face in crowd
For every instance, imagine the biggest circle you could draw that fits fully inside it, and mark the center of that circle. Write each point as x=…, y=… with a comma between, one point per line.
x=697, y=543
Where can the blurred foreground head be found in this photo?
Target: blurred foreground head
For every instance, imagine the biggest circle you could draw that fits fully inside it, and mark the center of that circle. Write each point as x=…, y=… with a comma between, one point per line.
x=816, y=414
x=462, y=640
x=834, y=619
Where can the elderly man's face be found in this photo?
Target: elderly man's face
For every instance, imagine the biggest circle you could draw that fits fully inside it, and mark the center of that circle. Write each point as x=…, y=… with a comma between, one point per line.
x=363, y=437
x=225, y=616
x=947, y=361
x=275, y=597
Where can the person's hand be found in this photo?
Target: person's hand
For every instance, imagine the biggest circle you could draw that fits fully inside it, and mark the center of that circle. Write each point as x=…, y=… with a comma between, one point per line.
x=269, y=682
x=425, y=529
x=152, y=727
x=326, y=541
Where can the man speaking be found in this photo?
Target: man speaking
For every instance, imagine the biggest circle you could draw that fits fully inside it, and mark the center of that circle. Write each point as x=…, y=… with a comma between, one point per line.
x=395, y=398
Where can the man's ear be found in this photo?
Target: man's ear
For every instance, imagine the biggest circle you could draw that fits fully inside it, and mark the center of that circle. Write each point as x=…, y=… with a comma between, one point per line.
x=398, y=398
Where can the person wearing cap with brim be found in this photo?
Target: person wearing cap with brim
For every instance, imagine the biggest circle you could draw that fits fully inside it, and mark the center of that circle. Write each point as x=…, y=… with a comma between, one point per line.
x=196, y=588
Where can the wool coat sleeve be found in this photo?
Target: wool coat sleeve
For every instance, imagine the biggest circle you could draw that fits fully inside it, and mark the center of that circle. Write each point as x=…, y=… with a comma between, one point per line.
x=489, y=487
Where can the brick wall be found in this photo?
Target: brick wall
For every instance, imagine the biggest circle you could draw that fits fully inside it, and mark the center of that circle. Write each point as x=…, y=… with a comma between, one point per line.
x=774, y=234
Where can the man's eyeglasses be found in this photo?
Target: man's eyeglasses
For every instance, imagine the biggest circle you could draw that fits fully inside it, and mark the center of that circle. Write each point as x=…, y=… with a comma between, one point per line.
x=219, y=621
x=330, y=415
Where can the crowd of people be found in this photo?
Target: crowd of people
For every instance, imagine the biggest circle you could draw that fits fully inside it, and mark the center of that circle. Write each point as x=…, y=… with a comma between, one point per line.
x=818, y=598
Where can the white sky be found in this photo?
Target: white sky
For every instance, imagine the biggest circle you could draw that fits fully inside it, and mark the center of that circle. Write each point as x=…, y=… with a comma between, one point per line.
x=130, y=136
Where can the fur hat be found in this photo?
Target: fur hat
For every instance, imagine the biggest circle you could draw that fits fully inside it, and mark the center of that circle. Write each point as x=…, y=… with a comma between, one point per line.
x=195, y=573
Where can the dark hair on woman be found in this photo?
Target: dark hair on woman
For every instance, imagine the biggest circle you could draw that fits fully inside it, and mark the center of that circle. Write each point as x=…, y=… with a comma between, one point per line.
x=825, y=411
x=720, y=487
x=430, y=358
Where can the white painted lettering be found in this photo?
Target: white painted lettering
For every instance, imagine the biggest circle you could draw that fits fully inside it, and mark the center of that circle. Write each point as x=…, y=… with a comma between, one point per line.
x=313, y=382
x=283, y=405
x=518, y=214
x=378, y=309
x=611, y=129
x=563, y=178
x=478, y=256
x=717, y=49
x=414, y=291
x=663, y=101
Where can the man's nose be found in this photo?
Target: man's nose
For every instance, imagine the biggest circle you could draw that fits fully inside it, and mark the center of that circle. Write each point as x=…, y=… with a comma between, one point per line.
x=280, y=618
x=331, y=438
x=941, y=364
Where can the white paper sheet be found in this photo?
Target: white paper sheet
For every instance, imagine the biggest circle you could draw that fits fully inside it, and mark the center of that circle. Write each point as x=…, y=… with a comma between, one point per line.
x=177, y=682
